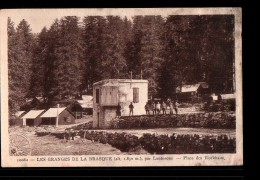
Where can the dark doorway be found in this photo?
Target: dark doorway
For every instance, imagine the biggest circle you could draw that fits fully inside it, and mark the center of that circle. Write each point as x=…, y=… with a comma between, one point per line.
x=29, y=122
x=48, y=121
x=98, y=120
x=97, y=96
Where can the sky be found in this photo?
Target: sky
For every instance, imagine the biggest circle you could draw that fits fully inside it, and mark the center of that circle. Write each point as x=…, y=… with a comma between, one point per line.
x=38, y=18
x=36, y=22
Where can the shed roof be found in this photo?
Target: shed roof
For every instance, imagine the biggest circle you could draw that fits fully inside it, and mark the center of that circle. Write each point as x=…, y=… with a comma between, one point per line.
x=40, y=98
x=52, y=112
x=87, y=97
x=86, y=102
x=19, y=113
x=188, y=88
x=228, y=96
x=204, y=85
x=33, y=114
x=214, y=97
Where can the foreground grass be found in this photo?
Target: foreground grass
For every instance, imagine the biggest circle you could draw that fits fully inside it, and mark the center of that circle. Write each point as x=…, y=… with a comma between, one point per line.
x=49, y=145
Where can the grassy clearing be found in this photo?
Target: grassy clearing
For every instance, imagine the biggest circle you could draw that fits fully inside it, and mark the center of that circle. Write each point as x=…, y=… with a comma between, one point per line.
x=49, y=146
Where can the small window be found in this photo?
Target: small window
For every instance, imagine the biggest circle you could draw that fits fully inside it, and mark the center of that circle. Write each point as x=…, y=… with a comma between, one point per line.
x=136, y=95
x=97, y=95
x=67, y=119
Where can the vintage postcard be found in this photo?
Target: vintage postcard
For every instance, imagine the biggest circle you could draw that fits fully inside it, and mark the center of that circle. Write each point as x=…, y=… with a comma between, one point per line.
x=121, y=87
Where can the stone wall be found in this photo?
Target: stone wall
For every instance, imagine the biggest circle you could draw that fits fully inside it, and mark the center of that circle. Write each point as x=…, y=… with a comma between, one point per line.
x=164, y=144
x=217, y=120
x=158, y=144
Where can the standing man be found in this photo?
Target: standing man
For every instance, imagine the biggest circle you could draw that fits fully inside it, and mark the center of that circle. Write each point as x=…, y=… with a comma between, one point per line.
x=131, y=108
x=158, y=107
x=171, y=108
x=164, y=107
x=147, y=108
x=118, y=110
x=176, y=106
x=153, y=108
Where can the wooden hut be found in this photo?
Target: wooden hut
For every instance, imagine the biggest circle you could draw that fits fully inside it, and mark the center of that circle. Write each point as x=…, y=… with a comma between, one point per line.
x=17, y=118
x=63, y=114
x=32, y=118
x=192, y=91
x=76, y=109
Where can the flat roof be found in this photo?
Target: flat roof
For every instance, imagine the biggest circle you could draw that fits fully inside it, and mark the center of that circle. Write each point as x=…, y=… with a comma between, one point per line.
x=115, y=81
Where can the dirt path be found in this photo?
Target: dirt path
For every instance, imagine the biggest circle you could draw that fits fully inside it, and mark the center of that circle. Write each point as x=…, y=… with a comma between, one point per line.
x=78, y=122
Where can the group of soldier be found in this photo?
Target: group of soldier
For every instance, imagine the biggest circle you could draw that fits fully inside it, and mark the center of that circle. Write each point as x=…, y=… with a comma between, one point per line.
x=157, y=107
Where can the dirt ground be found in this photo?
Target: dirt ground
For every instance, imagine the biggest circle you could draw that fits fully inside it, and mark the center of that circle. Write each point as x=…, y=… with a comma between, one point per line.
x=50, y=145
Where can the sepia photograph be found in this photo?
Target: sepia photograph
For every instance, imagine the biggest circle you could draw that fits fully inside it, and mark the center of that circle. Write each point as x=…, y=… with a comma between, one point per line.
x=121, y=87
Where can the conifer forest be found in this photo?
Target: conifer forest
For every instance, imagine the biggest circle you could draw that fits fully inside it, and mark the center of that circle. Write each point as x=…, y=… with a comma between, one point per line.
x=64, y=60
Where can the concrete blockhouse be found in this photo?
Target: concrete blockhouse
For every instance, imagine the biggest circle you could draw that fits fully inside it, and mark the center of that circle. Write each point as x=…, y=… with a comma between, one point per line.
x=109, y=93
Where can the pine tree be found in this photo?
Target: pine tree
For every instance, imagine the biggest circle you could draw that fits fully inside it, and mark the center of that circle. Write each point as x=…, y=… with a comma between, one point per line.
x=113, y=62
x=151, y=50
x=20, y=44
x=66, y=60
x=197, y=48
x=39, y=56
x=68, y=72
x=94, y=45
x=144, y=53
x=218, y=52
x=14, y=94
x=133, y=47
x=50, y=61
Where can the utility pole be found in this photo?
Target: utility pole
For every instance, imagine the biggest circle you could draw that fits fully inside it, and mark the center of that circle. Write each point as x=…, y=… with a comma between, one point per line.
x=57, y=117
x=131, y=79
